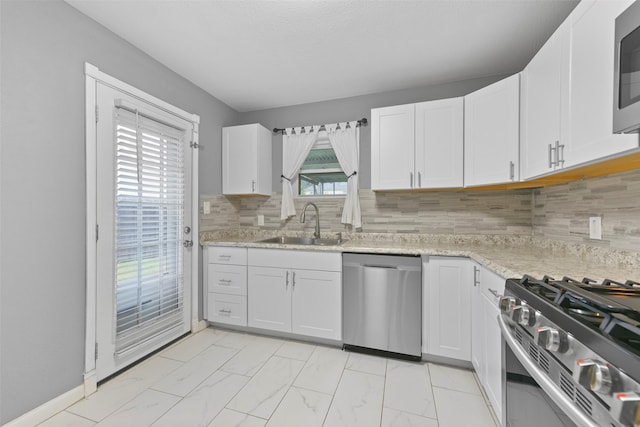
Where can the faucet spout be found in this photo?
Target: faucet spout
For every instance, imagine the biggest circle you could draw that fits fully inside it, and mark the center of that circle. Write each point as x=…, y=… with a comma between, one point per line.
x=316, y=233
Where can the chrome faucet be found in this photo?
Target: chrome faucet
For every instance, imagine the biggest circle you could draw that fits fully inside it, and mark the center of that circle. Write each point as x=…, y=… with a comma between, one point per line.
x=316, y=234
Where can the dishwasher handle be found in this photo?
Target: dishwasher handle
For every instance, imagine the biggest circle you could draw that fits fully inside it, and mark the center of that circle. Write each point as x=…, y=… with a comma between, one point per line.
x=388, y=267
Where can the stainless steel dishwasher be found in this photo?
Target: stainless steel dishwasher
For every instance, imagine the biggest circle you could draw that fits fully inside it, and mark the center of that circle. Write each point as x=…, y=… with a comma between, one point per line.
x=382, y=303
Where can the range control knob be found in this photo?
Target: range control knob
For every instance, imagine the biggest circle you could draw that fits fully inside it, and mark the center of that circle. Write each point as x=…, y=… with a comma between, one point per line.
x=507, y=304
x=625, y=407
x=524, y=315
x=594, y=375
x=553, y=339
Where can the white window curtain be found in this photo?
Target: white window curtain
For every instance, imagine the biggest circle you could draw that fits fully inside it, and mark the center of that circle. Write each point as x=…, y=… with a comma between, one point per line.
x=296, y=144
x=344, y=140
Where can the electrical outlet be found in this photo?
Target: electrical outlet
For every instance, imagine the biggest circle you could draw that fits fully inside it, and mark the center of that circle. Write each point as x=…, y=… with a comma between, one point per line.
x=595, y=227
x=260, y=219
x=206, y=208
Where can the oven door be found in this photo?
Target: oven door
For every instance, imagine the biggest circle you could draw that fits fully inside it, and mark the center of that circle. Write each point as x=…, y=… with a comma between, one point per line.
x=530, y=397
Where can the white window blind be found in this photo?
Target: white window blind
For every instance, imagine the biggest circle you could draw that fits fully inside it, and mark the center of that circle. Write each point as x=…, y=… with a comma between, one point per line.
x=149, y=200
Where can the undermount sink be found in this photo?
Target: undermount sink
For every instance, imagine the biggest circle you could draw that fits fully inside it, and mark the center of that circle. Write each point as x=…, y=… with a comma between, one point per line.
x=284, y=240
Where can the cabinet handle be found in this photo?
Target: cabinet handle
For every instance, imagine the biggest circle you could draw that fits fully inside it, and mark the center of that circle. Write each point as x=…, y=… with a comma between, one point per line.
x=224, y=282
x=253, y=186
x=224, y=311
x=286, y=284
x=559, y=154
x=293, y=280
x=411, y=179
x=551, y=155
x=227, y=257
x=512, y=170
x=419, y=180
x=476, y=276
x=494, y=292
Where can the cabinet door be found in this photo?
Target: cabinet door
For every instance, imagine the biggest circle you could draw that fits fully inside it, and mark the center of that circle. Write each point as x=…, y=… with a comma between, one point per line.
x=492, y=381
x=591, y=87
x=439, y=143
x=392, y=147
x=316, y=303
x=269, y=298
x=448, y=286
x=477, y=321
x=239, y=159
x=541, y=105
x=492, y=129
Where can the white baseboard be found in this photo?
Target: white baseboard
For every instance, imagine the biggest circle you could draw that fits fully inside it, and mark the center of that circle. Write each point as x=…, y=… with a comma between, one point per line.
x=198, y=325
x=90, y=383
x=48, y=409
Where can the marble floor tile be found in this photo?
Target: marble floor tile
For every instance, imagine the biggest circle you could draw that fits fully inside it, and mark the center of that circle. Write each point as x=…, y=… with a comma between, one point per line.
x=67, y=419
x=191, y=346
x=250, y=359
x=296, y=350
x=357, y=401
x=262, y=394
x=453, y=378
x=141, y=411
x=367, y=363
x=229, y=418
x=323, y=370
x=187, y=377
x=393, y=418
x=408, y=388
x=457, y=408
x=123, y=388
x=301, y=407
x=202, y=405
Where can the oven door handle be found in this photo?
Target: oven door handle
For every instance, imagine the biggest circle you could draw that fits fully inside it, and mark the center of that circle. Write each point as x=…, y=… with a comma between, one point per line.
x=558, y=397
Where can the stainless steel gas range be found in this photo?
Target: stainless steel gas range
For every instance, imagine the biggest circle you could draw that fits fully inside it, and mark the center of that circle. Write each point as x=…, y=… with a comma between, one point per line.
x=571, y=353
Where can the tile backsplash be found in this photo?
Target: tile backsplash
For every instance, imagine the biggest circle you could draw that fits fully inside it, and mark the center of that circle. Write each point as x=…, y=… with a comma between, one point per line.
x=558, y=212
x=446, y=212
x=562, y=212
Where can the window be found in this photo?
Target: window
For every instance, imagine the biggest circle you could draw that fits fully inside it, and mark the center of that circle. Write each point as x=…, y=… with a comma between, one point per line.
x=321, y=174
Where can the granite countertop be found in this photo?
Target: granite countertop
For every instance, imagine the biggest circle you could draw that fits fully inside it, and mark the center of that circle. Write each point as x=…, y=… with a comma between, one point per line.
x=508, y=256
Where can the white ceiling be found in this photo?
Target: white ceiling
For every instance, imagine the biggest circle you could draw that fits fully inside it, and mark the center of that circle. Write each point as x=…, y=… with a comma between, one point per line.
x=258, y=54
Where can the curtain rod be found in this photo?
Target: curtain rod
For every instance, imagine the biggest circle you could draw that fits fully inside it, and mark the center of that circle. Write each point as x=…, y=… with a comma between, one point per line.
x=362, y=122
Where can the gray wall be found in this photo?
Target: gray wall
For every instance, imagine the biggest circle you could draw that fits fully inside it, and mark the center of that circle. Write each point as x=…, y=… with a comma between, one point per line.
x=44, y=46
x=347, y=109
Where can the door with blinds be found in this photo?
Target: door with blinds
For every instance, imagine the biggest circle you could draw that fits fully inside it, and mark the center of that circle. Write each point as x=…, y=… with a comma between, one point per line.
x=143, y=229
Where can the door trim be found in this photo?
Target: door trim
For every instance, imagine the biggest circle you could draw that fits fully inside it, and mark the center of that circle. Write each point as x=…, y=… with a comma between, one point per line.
x=92, y=76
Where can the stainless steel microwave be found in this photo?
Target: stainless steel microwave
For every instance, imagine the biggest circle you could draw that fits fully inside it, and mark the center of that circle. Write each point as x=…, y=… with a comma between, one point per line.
x=626, y=89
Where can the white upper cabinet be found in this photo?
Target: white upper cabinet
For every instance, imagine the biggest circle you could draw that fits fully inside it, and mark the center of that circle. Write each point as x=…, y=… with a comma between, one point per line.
x=246, y=160
x=492, y=133
x=543, y=106
x=417, y=146
x=592, y=27
x=439, y=143
x=392, y=147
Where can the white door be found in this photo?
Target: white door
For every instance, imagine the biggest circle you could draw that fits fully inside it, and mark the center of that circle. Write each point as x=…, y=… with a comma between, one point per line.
x=492, y=133
x=449, y=285
x=439, y=143
x=144, y=180
x=392, y=147
x=239, y=159
x=316, y=303
x=269, y=298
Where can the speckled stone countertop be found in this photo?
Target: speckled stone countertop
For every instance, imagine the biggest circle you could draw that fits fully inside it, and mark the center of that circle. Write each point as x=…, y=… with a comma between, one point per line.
x=508, y=256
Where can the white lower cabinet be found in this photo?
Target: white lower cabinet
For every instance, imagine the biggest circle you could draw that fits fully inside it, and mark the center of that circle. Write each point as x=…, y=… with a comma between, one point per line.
x=486, y=343
x=446, y=330
x=225, y=276
x=295, y=291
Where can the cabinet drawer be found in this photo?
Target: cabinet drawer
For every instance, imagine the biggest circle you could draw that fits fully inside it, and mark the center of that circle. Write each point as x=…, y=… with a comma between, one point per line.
x=294, y=259
x=231, y=309
x=225, y=255
x=491, y=285
x=227, y=279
